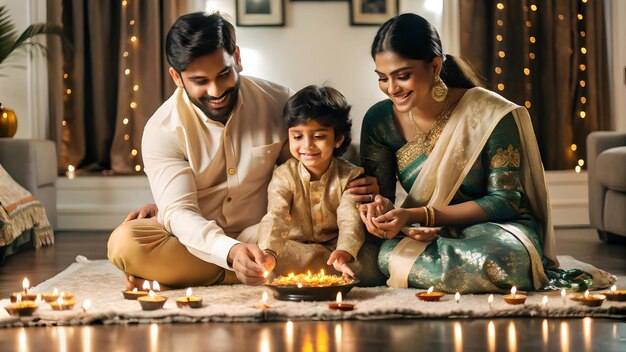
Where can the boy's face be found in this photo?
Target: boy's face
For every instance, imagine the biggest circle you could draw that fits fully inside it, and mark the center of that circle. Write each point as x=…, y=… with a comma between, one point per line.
x=313, y=144
x=212, y=83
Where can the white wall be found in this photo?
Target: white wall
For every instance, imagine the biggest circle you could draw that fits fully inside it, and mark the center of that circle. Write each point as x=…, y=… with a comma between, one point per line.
x=317, y=45
x=25, y=90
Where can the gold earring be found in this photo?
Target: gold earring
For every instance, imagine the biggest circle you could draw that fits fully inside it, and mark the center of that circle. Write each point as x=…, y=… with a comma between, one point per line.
x=439, y=90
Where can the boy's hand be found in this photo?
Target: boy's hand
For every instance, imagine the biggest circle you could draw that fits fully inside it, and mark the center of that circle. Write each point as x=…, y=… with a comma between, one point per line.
x=339, y=259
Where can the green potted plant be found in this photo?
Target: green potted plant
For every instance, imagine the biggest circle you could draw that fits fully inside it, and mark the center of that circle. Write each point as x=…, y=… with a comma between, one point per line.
x=10, y=42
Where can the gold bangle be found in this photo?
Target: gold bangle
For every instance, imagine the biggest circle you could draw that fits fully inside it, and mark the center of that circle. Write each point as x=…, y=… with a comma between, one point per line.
x=426, y=217
x=431, y=216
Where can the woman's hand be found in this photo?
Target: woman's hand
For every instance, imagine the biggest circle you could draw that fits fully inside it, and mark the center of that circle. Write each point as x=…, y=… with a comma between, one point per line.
x=339, y=259
x=422, y=234
x=392, y=222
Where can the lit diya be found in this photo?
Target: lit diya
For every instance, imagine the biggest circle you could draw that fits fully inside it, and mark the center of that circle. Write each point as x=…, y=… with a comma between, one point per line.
x=514, y=297
x=340, y=305
x=21, y=308
x=62, y=304
x=152, y=301
x=134, y=293
x=25, y=295
x=430, y=295
x=615, y=295
x=189, y=300
x=263, y=304
x=310, y=287
x=590, y=300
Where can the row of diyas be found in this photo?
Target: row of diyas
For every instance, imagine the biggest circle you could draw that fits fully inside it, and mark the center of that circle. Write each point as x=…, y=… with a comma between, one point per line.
x=25, y=303
x=149, y=300
x=515, y=298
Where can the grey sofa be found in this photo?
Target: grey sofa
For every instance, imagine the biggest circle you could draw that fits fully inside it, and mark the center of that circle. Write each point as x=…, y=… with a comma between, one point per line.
x=606, y=165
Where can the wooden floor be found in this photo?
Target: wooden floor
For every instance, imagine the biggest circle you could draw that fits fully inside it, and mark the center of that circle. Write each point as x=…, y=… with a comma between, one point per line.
x=398, y=335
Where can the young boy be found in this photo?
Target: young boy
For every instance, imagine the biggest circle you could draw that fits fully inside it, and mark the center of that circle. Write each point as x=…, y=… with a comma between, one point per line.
x=311, y=223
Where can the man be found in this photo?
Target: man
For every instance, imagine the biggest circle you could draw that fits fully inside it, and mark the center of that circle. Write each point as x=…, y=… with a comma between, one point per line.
x=209, y=152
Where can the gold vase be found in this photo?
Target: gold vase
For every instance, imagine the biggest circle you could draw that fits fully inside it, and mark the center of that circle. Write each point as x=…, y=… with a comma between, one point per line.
x=8, y=122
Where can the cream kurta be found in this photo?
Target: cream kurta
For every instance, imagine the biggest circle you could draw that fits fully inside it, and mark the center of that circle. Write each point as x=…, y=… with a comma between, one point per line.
x=209, y=181
x=310, y=219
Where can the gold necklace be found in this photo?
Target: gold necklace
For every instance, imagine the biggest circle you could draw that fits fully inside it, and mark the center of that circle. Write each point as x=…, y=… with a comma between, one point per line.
x=417, y=129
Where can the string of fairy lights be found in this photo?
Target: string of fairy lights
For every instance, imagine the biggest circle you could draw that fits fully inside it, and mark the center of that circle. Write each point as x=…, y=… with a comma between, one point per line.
x=129, y=49
x=582, y=67
x=128, y=56
x=530, y=17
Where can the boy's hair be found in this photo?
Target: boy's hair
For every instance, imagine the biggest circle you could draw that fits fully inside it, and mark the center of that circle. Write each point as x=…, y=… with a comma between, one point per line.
x=198, y=34
x=326, y=106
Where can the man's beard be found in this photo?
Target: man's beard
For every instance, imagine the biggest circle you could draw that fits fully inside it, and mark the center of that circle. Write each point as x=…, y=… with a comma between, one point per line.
x=222, y=114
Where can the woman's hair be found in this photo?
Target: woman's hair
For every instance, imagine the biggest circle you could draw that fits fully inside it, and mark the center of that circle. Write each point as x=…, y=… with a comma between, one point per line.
x=413, y=37
x=326, y=106
x=198, y=34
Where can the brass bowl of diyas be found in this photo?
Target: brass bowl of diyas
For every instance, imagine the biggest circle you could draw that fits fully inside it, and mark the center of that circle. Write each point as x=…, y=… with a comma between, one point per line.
x=22, y=308
x=310, y=287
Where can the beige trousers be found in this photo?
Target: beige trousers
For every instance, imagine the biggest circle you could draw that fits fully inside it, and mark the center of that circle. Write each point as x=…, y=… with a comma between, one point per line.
x=145, y=249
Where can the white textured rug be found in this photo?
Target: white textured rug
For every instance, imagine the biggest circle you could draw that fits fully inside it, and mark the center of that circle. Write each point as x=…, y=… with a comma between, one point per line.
x=102, y=283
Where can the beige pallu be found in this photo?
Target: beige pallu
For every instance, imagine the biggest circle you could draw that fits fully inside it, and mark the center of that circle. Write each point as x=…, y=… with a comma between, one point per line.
x=460, y=144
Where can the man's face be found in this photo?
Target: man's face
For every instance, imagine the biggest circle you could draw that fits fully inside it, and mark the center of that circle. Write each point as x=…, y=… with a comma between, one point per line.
x=212, y=83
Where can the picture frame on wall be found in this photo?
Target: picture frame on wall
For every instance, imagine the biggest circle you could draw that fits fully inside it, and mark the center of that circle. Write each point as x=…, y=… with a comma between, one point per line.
x=372, y=12
x=260, y=13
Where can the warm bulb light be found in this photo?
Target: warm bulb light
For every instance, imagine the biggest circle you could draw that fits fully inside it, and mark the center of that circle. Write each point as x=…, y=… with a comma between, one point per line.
x=127, y=71
x=125, y=121
x=581, y=162
x=583, y=114
x=573, y=147
x=136, y=87
x=577, y=169
x=533, y=7
x=131, y=22
x=500, y=6
x=137, y=168
x=133, y=38
x=133, y=105
x=501, y=53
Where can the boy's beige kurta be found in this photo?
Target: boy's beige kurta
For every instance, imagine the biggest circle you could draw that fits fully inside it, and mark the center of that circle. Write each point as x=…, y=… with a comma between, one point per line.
x=210, y=180
x=307, y=220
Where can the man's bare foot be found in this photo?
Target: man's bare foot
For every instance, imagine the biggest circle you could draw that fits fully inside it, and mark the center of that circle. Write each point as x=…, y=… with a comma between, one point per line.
x=133, y=281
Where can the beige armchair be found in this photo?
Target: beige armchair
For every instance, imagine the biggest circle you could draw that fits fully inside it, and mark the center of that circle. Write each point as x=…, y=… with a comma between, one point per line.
x=606, y=165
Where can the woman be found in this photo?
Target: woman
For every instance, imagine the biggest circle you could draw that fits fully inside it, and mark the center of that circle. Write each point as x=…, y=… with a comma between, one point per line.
x=469, y=161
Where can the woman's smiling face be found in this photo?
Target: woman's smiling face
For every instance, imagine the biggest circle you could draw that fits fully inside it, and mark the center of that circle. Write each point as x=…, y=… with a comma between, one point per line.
x=406, y=82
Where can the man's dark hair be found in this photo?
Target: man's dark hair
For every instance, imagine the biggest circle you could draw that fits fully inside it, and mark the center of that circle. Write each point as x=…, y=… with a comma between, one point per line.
x=326, y=106
x=198, y=34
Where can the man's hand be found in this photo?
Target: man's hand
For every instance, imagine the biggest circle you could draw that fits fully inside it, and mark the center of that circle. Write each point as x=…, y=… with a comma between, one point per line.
x=363, y=189
x=249, y=262
x=339, y=259
x=147, y=211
